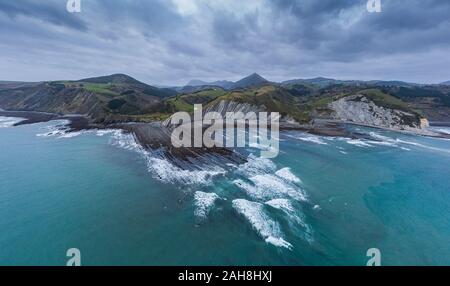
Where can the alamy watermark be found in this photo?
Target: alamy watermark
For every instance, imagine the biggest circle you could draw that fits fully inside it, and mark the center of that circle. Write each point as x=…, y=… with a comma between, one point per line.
x=374, y=255
x=74, y=255
x=73, y=6
x=374, y=6
x=235, y=129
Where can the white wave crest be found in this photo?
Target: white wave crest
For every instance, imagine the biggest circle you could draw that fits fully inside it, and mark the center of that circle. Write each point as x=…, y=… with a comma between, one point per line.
x=294, y=217
x=399, y=143
x=287, y=175
x=265, y=226
x=126, y=141
x=103, y=132
x=256, y=165
x=308, y=138
x=71, y=134
x=268, y=186
x=444, y=130
x=161, y=168
x=165, y=171
x=61, y=131
x=281, y=204
x=51, y=133
x=358, y=142
x=6, y=122
x=204, y=202
x=57, y=128
x=266, y=182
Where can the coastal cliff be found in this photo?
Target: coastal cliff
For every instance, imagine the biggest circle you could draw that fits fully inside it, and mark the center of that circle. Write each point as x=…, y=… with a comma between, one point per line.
x=360, y=109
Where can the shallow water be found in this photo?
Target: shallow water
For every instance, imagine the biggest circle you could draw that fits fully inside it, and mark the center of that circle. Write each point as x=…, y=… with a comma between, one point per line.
x=322, y=201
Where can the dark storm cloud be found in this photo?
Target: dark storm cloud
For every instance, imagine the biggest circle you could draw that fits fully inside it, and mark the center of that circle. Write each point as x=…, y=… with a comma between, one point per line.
x=156, y=16
x=173, y=41
x=403, y=26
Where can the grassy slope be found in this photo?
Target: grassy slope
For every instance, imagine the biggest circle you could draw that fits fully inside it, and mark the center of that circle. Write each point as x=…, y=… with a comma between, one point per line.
x=383, y=99
x=275, y=99
x=100, y=88
x=186, y=102
x=124, y=101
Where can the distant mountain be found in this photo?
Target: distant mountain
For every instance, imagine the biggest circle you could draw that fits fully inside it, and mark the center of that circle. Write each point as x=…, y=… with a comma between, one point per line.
x=128, y=82
x=192, y=89
x=445, y=83
x=221, y=83
x=319, y=81
x=196, y=82
x=9, y=82
x=325, y=82
x=391, y=83
x=252, y=80
x=114, y=78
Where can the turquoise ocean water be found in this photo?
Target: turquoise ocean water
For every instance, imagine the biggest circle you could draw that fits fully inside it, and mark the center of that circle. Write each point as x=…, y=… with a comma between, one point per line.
x=322, y=201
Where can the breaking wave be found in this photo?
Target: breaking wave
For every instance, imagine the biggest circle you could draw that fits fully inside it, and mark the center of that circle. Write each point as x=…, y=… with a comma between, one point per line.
x=294, y=217
x=358, y=142
x=376, y=139
x=308, y=138
x=399, y=143
x=266, y=227
x=204, y=202
x=440, y=129
x=267, y=187
x=256, y=166
x=165, y=171
x=162, y=168
x=6, y=122
x=58, y=129
x=262, y=181
x=287, y=175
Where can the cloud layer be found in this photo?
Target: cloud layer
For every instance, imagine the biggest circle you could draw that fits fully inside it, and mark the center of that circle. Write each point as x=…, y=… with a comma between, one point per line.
x=172, y=41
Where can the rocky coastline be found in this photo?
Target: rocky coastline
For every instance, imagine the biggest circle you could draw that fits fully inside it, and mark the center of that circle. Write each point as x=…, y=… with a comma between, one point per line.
x=156, y=135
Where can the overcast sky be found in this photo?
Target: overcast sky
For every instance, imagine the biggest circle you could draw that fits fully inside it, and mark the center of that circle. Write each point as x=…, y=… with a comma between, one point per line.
x=170, y=42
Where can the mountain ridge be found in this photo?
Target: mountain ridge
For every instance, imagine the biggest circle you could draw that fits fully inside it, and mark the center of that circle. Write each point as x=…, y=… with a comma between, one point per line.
x=113, y=78
x=251, y=80
x=121, y=98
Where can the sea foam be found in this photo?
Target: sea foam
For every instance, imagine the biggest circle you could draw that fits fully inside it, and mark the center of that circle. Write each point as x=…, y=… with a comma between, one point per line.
x=165, y=171
x=265, y=226
x=287, y=175
x=6, y=122
x=268, y=186
x=162, y=168
x=262, y=181
x=204, y=202
x=256, y=166
x=308, y=138
x=293, y=215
